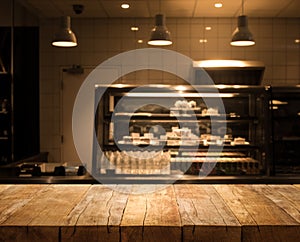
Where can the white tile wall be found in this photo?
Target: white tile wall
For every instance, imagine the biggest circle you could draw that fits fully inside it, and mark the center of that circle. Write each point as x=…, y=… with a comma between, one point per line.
x=100, y=39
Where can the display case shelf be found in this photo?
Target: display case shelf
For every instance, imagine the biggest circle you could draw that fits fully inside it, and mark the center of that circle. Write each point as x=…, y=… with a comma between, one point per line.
x=141, y=126
x=176, y=147
x=151, y=117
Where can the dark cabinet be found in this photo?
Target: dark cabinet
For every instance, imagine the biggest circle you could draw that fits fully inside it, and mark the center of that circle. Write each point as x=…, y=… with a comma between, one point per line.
x=5, y=119
x=286, y=130
x=19, y=94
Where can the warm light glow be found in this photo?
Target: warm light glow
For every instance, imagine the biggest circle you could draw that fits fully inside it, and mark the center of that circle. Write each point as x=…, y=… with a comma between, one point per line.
x=218, y=5
x=140, y=41
x=297, y=41
x=203, y=40
x=157, y=94
x=160, y=42
x=277, y=102
x=125, y=6
x=160, y=36
x=221, y=63
x=208, y=28
x=242, y=43
x=134, y=28
x=119, y=85
x=180, y=88
x=64, y=37
x=64, y=44
x=239, y=86
x=221, y=86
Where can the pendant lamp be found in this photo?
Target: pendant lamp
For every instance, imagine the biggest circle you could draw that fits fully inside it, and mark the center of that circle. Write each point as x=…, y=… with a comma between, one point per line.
x=160, y=36
x=242, y=35
x=65, y=36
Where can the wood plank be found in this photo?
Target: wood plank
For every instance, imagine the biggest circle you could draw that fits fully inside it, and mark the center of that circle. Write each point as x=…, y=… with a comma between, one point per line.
x=4, y=187
x=13, y=233
x=272, y=223
x=162, y=208
x=96, y=210
x=176, y=213
x=162, y=220
x=57, y=203
x=205, y=216
x=13, y=200
x=97, y=217
x=280, y=195
x=92, y=233
x=45, y=212
x=29, y=234
x=270, y=233
x=15, y=197
x=291, y=193
x=133, y=218
x=206, y=200
x=237, y=207
x=43, y=233
x=263, y=210
x=152, y=216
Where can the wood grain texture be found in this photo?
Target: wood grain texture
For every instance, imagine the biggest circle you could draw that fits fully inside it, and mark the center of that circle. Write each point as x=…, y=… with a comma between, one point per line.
x=133, y=218
x=267, y=221
x=177, y=213
x=13, y=198
x=97, y=217
x=42, y=209
x=285, y=197
x=290, y=193
x=162, y=220
x=205, y=216
x=48, y=207
x=152, y=217
x=237, y=206
x=4, y=187
x=14, y=234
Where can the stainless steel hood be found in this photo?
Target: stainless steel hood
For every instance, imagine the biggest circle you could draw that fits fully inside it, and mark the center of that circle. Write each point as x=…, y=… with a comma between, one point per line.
x=231, y=72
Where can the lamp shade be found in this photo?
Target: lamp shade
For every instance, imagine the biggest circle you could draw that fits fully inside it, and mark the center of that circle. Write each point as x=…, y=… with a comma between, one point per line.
x=65, y=36
x=160, y=36
x=242, y=35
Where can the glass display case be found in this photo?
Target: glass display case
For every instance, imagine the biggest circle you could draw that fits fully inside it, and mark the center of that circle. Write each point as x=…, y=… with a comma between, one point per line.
x=286, y=130
x=185, y=131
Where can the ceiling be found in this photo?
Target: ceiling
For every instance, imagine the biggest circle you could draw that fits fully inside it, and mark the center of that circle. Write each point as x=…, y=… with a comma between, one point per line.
x=171, y=8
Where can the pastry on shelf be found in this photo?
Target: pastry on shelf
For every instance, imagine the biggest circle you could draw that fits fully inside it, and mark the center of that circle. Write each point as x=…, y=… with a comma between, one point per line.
x=210, y=112
x=181, y=136
x=208, y=139
x=126, y=140
x=173, y=139
x=192, y=104
x=144, y=140
x=227, y=139
x=239, y=141
x=181, y=106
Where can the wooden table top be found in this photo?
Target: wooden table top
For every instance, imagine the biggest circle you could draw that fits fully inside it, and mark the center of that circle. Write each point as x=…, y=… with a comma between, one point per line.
x=182, y=212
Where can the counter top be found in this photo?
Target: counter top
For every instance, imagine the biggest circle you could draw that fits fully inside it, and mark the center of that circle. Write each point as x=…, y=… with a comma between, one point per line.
x=132, y=179
x=181, y=212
